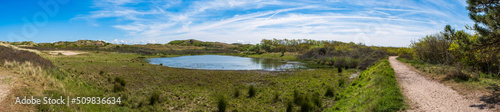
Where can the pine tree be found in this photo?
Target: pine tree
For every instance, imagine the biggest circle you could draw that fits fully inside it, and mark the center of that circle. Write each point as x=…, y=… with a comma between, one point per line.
x=487, y=13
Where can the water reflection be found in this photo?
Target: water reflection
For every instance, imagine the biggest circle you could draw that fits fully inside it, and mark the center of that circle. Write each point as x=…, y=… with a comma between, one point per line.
x=219, y=62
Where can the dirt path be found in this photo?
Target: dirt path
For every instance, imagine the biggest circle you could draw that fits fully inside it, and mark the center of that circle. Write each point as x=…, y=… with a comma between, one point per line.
x=427, y=95
x=5, y=85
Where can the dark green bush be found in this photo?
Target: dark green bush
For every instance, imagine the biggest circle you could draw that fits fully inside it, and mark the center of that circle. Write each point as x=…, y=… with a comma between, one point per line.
x=289, y=106
x=341, y=82
x=316, y=98
x=118, y=87
x=297, y=97
x=221, y=103
x=276, y=97
x=251, y=91
x=329, y=92
x=155, y=97
x=306, y=107
x=120, y=80
x=237, y=93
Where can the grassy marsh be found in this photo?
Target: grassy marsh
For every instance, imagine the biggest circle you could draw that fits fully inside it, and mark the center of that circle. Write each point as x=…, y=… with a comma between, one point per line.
x=196, y=91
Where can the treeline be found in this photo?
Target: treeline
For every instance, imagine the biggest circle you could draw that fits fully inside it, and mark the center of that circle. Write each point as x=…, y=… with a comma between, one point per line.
x=479, y=51
x=288, y=45
x=344, y=55
x=331, y=53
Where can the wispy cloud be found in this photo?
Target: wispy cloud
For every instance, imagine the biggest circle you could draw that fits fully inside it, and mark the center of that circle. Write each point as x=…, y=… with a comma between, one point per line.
x=387, y=23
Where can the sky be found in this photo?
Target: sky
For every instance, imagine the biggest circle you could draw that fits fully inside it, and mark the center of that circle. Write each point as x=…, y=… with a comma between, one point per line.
x=371, y=22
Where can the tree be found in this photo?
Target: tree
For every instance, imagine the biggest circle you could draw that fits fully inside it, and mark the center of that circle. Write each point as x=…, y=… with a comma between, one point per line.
x=487, y=13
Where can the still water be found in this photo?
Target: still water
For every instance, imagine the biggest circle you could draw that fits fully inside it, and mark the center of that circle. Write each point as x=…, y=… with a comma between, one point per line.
x=220, y=62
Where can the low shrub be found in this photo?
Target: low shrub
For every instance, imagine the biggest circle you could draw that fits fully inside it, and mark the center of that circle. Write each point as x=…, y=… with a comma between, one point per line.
x=118, y=87
x=456, y=73
x=329, y=92
x=221, y=103
x=316, y=98
x=251, y=91
x=155, y=97
x=276, y=97
x=297, y=97
x=237, y=93
x=289, y=106
x=120, y=80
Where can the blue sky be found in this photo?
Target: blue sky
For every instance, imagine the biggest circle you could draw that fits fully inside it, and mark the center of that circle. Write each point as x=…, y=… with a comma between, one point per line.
x=372, y=22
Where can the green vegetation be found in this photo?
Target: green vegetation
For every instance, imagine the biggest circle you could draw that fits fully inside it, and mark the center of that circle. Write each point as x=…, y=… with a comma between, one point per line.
x=109, y=70
x=478, y=52
x=343, y=55
x=466, y=62
x=376, y=89
x=147, y=87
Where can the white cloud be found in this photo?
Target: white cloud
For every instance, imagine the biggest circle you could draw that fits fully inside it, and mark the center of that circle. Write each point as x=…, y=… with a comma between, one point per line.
x=387, y=23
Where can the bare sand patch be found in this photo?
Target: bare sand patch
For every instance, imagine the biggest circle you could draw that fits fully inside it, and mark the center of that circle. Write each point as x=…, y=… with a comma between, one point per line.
x=66, y=53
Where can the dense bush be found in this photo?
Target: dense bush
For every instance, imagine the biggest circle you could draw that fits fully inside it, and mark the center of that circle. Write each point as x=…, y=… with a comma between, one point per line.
x=452, y=47
x=344, y=55
x=433, y=49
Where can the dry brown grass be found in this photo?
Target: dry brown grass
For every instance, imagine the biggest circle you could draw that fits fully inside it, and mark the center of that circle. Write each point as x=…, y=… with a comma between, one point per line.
x=28, y=80
x=32, y=76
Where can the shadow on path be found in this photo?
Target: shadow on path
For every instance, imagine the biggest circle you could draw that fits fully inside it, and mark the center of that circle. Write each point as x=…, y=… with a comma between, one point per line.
x=490, y=101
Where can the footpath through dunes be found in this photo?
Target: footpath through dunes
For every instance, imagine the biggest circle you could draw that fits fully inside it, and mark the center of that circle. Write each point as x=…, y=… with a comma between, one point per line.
x=4, y=86
x=428, y=95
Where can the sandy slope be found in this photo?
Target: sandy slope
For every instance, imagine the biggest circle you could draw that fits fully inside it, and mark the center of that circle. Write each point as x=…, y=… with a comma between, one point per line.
x=427, y=95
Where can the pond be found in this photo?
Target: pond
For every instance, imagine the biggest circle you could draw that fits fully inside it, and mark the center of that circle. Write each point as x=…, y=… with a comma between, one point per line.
x=220, y=62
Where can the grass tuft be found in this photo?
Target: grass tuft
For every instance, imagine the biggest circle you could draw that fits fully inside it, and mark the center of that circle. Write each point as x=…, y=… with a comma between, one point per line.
x=237, y=93
x=329, y=92
x=251, y=91
x=120, y=80
x=221, y=103
x=155, y=97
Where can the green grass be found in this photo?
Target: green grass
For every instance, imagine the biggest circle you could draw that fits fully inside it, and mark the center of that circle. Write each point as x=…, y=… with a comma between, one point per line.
x=376, y=89
x=96, y=74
